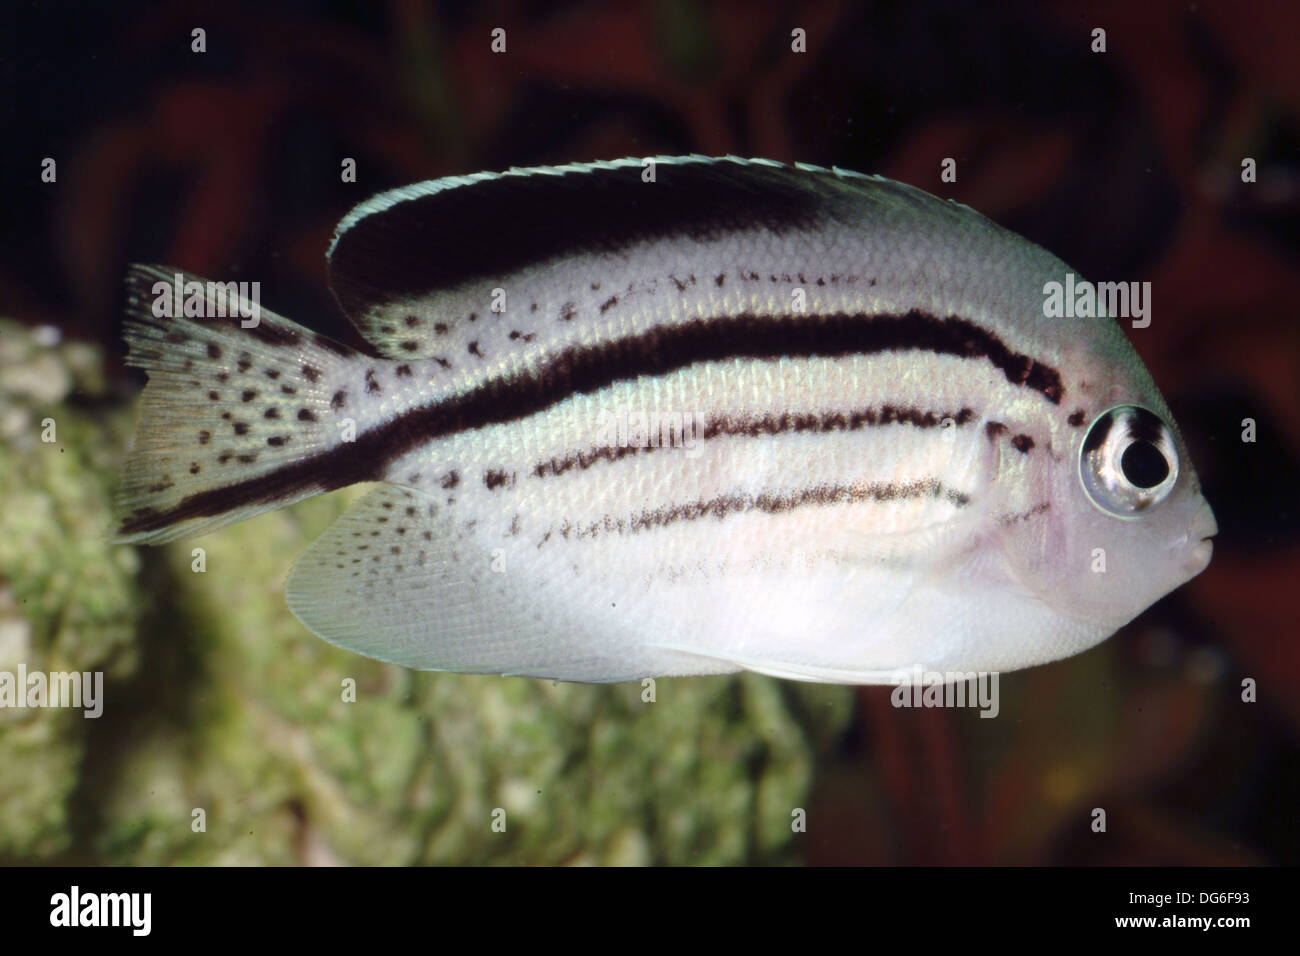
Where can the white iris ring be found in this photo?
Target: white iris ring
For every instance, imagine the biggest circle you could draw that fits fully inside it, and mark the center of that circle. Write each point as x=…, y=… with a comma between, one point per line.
x=1101, y=460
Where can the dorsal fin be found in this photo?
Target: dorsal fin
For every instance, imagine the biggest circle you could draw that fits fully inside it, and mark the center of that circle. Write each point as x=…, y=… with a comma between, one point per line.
x=399, y=260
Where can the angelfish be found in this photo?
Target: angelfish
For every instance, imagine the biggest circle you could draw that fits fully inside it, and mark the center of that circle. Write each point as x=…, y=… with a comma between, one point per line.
x=890, y=457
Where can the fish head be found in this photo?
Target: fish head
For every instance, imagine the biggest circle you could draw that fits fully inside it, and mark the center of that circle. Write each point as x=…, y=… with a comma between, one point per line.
x=1128, y=522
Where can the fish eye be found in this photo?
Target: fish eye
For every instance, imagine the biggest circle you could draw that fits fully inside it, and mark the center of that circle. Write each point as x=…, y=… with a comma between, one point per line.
x=1129, y=462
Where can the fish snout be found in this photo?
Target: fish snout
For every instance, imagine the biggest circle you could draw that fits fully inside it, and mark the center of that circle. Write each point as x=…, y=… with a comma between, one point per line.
x=1200, y=538
x=1198, y=559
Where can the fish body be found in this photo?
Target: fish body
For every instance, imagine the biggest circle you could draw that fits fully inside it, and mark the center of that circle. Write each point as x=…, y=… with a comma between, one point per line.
x=731, y=415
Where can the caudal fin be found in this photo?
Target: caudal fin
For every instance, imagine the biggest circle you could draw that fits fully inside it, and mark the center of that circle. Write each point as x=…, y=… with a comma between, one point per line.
x=231, y=417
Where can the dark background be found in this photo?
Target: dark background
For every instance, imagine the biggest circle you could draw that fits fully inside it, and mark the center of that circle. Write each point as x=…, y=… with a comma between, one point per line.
x=1125, y=164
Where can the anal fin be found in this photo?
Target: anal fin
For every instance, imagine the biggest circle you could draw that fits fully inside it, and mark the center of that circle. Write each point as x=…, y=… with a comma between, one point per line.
x=400, y=578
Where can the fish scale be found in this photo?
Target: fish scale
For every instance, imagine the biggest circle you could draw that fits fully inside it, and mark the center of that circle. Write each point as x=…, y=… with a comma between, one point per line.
x=884, y=468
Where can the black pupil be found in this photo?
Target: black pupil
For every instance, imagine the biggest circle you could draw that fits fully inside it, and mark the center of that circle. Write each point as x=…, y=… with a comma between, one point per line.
x=1143, y=464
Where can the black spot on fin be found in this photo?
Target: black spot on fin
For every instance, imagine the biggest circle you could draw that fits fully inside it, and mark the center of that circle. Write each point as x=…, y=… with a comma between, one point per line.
x=224, y=405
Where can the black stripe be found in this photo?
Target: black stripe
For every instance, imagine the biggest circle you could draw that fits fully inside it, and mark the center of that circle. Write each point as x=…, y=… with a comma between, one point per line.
x=587, y=369
x=1145, y=426
x=1096, y=436
x=1034, y=512
x=498, y=226
x=726, y=505
x=754, y=427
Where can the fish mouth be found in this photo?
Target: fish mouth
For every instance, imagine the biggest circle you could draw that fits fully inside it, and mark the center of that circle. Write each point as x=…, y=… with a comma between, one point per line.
x=1198, y=559
x=1203, y=530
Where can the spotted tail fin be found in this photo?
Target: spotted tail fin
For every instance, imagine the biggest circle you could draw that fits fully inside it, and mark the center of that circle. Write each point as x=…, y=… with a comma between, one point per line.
x=232, y=417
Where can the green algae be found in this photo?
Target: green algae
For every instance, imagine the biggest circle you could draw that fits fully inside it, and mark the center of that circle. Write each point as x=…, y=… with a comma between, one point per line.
x=232, y=735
